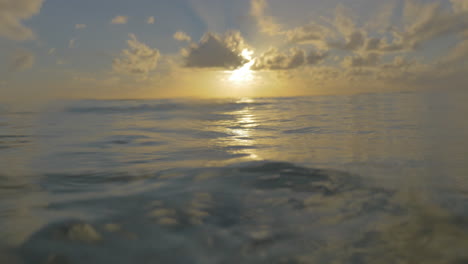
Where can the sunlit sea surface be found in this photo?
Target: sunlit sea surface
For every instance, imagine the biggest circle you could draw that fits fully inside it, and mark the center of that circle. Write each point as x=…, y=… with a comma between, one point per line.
x=370, y=178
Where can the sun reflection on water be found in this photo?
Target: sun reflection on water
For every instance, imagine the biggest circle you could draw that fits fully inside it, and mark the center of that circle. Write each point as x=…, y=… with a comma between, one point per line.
x=241, y=128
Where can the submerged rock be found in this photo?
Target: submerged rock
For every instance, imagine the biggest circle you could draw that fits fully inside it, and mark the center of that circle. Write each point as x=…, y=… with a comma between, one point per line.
x=57, y=259
x=9, y=257
x=81, y=232
x=112, y=227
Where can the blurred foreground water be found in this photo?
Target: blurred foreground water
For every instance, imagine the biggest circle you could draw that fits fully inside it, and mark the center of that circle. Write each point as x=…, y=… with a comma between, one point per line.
x=371, y=178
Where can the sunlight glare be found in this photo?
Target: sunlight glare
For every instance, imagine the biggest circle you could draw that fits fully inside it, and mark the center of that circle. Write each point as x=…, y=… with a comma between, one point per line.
x=244, y=74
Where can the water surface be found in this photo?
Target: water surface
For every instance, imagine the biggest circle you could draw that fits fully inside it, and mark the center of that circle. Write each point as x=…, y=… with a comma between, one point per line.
x=371, y=178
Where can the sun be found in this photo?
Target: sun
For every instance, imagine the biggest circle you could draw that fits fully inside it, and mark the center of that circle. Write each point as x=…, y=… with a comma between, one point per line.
x=244, y=74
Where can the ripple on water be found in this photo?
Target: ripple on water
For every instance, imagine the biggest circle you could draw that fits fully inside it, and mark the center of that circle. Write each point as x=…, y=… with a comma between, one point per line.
x=269, y=212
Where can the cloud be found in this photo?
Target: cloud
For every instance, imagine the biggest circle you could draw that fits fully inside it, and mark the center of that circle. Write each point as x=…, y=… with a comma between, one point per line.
x=12, y=13
x=459, y=54
x=344, y=21
x=150, y=20
x=182, y=36
x=353, y=42
x=51, y=51
x=295, y=58
x=21, y=60
x=352, y=38
x=429, y=21
x=459, y=5
x=275, y=60
x=310, y=33
x=358, y=61
x=215, y=51
x=71, y=43
x=265, y=23
x=316, y=57
x=138, y=59
x=399, y=63
x=119, y=20
x=423, y=22
x=80, y=26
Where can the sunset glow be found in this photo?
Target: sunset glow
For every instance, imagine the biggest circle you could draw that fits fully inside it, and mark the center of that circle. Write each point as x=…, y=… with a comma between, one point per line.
x=258, y=48
x=244, y=74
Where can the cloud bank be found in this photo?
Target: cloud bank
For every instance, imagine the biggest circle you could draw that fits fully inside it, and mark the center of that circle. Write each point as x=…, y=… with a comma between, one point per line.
x=295, y=58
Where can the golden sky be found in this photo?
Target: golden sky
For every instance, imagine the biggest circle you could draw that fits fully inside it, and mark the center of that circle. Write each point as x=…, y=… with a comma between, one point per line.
x=206, y=48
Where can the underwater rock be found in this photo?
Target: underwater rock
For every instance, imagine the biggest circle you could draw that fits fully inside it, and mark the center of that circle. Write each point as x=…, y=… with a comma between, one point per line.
x=112, y=227
x=82, y=232
x=57, y=259
x=8, y=257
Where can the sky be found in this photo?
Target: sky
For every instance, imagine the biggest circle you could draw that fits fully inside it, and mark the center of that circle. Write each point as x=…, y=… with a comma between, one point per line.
x=114, y=49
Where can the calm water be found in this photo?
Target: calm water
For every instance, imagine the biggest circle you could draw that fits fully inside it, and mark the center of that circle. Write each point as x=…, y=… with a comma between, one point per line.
x=375, y=178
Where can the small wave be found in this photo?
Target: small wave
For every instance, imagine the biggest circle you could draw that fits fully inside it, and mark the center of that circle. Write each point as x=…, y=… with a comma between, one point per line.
x=125, y=109
x=13, y=141
x=304, y=130
x=159, y=106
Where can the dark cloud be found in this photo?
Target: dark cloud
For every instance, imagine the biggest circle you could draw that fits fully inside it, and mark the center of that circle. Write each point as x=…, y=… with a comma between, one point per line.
x=316, y=57
x=214, y=51
x=373, y=44
x=295, y=58
x=368, y=60
x=275, y=60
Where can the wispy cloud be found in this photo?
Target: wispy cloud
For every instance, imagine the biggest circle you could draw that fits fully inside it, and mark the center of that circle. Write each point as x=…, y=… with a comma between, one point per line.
x=150, y=20
x=71, y=43
x=80, y=26
x=21, y=60
x=12, y=14
x=119, y=20
x=265, y=23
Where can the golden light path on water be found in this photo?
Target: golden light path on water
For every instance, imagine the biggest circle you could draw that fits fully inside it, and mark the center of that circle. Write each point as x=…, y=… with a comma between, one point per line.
x=241, y=128
x=244, y=74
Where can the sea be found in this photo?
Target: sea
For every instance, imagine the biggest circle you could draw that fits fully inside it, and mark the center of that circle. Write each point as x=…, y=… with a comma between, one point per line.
x=364, y=178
